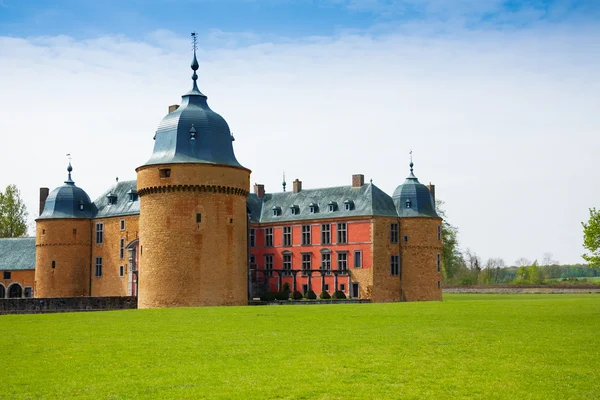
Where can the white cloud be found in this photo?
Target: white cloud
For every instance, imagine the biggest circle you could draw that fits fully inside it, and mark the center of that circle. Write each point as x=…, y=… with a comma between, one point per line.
x=505, y=124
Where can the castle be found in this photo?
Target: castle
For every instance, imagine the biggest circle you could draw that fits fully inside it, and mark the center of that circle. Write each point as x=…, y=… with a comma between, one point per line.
x=188, y=232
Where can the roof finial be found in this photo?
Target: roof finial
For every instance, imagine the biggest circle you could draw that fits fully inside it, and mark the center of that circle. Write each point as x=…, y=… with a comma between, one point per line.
x=69, y=169
x=411, y=162
x=283, y=183
x=195, y=60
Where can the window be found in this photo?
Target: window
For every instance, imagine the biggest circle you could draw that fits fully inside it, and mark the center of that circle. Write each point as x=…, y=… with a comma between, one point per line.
x=405, y=238
x=326, y=234
x=439, y=263
x=269, y=237
x=306, y=263
x=408, y=204
x=439, y=231
x=305, y=235
x=357, y=259
x=394, y=233
x=121, y=271
x=98, y=270
x=132, y=195
x=43, y=231
x=295, y=210
x=439, y=285
x=276, y=211
x=342, y=287
x=6, y=274
x=198, y=218
x=53, y=264
x=28, y=292
x=313, y=208
x=326, y=287
x=164, y=173
x=252, y=261
x=326, y=262
x=252, y=237
x=287, y=235
x=342, y=259
x=342, y=235
x=348, y=205
x=74, y=231
x=332, y=206
x=99, y=232
x=269, y=264
x=395, y=265
x=287, y=264
x=122, y=249
x=112, y=199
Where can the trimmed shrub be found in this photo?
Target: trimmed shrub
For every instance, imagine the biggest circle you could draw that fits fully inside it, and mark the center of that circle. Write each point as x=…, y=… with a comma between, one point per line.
x=324, y=295
x=297, y=295
x=310, y=295
x=338, y=294
x=285, y=295
x=286, y=287
x=268, y=296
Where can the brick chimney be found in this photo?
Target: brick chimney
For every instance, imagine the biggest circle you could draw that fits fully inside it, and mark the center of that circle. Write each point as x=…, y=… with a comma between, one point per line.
x=259, y=190
x=297, y=185
x=43, y=196
x=173, y=108
x=432, y=191
x=358, y=180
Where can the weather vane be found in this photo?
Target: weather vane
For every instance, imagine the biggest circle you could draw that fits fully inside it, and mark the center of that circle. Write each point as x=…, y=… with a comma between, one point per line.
x=194, y=41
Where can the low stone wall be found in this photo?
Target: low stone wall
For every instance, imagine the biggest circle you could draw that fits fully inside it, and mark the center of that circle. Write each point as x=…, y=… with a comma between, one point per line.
x=66, y=304
x=305, y=302
x=525, y=290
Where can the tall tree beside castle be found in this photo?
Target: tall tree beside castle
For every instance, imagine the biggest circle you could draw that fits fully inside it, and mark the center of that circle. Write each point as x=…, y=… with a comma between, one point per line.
x=591, y=238
x=13, y=213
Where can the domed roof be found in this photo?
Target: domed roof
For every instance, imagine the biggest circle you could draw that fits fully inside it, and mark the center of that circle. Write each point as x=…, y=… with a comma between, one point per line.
x=193, y=133
x=67, y=201
x=413, y=199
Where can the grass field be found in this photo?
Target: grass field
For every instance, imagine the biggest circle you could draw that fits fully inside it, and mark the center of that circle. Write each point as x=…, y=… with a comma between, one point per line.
x=468, y=346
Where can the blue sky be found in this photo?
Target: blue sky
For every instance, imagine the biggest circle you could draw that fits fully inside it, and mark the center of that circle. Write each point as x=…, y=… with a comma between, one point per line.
x=290, y=19
x=497, y=99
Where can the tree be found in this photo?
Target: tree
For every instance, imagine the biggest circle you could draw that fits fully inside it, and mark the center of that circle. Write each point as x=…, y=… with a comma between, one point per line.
x=13, y=213
x=522, y=262
x=591, y=239
x=548, y=259
x=452, y=259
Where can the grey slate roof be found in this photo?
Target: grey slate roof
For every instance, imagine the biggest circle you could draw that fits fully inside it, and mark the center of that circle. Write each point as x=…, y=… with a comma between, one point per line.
x=17, y=254
x=193, y=133
x=368, y=200
x=67, y=201
x=420, y=201
x=123, y=204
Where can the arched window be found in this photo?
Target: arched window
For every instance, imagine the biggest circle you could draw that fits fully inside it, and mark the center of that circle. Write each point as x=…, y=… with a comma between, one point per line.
x=15, y=291
x=2, y=291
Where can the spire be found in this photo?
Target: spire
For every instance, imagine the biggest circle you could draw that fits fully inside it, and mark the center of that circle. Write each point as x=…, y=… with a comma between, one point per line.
x=195, y=66
x=411, y=167
x=69, y=181
x=283, y=183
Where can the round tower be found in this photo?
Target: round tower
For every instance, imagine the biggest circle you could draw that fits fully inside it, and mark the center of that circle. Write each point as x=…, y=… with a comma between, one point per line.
x=420, y=241
x=63, y=243
x=193, y=218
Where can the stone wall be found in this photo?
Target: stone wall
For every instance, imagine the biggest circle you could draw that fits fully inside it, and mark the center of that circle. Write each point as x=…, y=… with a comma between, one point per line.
x=66, y=304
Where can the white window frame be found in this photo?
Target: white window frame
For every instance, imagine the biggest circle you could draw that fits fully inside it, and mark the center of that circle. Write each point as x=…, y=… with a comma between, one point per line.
x=98, y=268
x=268, y=237
x=360, y=261
x=342, y=232
x=99, y=232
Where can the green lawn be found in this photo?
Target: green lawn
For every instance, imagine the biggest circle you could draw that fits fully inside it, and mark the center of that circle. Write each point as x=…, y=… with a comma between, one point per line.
x=468, y=346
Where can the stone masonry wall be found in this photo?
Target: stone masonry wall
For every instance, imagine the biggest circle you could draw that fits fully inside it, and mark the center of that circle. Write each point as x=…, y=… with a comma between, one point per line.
x=420, y=276
x=65, y=304
x=184, y=262
x=386, y=287
x=67, y=243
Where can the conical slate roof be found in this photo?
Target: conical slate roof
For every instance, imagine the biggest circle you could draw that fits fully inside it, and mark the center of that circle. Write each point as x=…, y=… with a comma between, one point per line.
x=67, y=201
x=413, y=199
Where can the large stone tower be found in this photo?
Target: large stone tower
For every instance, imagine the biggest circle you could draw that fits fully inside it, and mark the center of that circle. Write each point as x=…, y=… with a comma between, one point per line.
x=420, y=241
x=63, y=241
x=193, y=218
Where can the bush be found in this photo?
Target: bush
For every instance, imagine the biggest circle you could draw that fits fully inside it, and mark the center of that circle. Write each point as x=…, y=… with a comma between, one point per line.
x=268, y=296
x=286, y=287
x=285, y=295
x=465, y=282
x=324, y=295
x=310, y=295
x=338, y=294
x=297, y=295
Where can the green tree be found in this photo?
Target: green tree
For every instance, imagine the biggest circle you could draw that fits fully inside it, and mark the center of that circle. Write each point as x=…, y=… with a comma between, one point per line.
x=13, y=213
x=591, y=239
x=452, y=259
x=535, y=275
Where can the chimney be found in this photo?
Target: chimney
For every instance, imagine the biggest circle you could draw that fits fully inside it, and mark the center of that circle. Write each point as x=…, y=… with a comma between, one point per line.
x=43, y=196
x=259, y=190
x=432, y=191
x=358, y=180
x=173, y=108
x=297, y=185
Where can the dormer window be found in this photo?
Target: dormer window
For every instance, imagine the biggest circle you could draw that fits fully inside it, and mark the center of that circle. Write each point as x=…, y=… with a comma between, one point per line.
x=408, y=204
x=313, y=207
x=132, y=195
x=348, y=205
x=112, y=199
x=332, y=206
x=276, y=211
x=81, y=204
x=295, y=210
